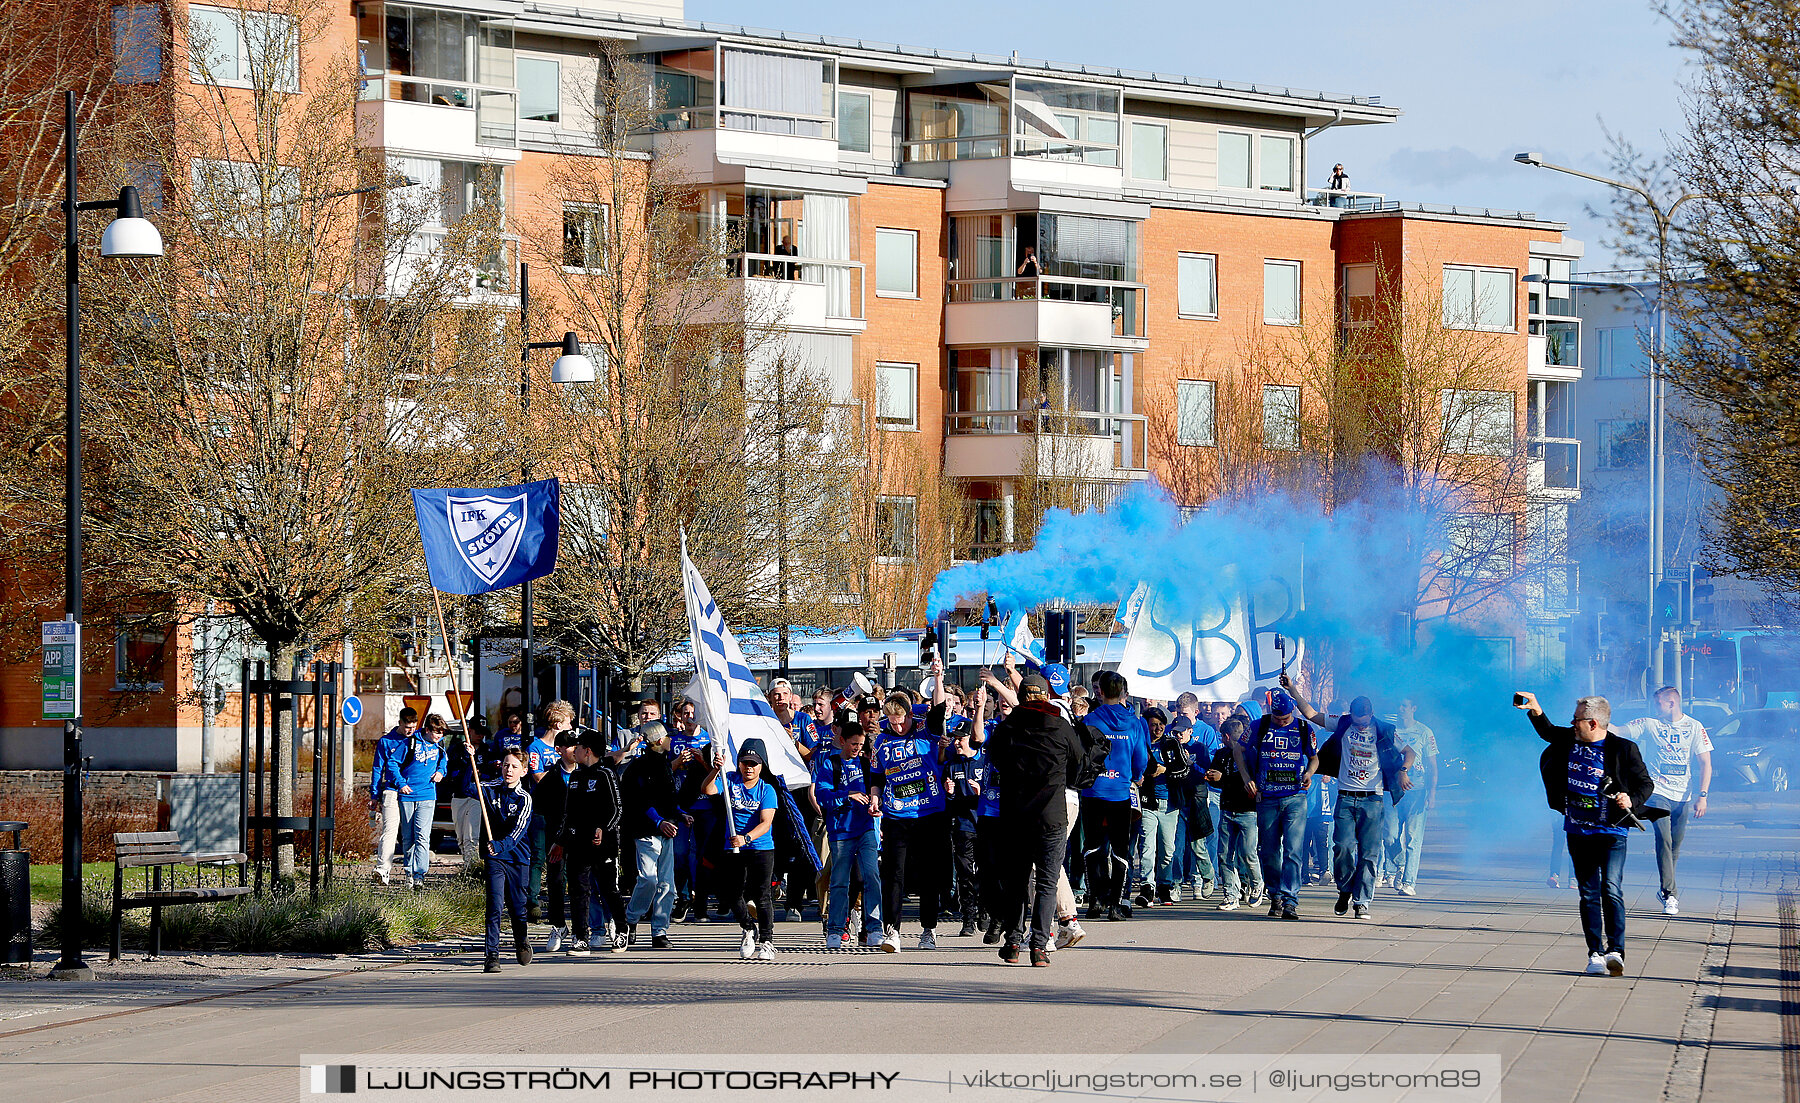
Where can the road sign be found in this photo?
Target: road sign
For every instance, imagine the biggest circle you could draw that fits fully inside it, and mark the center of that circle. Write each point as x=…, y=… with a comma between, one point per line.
x=62, y=670
x=352, y=709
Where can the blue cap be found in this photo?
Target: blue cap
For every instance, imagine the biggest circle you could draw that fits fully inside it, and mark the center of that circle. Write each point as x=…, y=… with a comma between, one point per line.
x=1280, y=703
x=1058, y=676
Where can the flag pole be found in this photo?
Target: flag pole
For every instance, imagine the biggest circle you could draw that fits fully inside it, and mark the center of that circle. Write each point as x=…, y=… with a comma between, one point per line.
x=718, y=733
x=455, y=696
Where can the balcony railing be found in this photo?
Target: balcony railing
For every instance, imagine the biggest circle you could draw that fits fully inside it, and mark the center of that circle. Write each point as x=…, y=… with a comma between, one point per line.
x=844, y=280
x=1555, y=463
x=1126, y=299
x=1130, y=450
x=1345, y=199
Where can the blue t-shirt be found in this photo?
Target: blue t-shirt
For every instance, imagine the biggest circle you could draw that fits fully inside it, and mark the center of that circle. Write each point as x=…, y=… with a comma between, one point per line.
x=1280, y=757
x=907, y=767
x=805, y=731
x=834, y=779
x=1585, y=811
x=541, y=755
x=747, y=806
x=987, y=805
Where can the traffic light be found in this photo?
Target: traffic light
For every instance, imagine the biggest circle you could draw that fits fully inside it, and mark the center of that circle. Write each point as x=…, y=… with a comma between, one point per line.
x=1669, y=603
x=1700, y=595
x=1059, y=636
x=946, y=635
x=1583, y=638
x=927, y=646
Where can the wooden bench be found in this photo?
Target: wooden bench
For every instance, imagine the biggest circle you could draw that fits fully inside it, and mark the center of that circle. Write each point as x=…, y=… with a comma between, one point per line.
x=155, y=852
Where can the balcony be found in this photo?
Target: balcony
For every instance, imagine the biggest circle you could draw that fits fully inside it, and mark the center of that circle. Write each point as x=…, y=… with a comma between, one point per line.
x=788, y=292
x=482, y=125
x=1046, y=311
x=1075, y=444
x=1553, y=467
x=1553, y=349
x=1347, y=200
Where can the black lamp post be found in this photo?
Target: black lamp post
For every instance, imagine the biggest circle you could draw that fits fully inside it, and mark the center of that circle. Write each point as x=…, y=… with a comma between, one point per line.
x=128, y=236
x=573, y=366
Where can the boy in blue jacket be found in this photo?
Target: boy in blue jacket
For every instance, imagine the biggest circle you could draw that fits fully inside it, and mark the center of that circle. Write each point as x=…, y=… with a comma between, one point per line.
x=507, y=833
x=420, y=768
x=384, y=789
x=1106, y=804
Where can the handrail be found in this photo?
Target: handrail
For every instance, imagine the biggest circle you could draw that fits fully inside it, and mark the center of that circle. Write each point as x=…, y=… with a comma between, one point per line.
x=799, y=269
x=1128, y=432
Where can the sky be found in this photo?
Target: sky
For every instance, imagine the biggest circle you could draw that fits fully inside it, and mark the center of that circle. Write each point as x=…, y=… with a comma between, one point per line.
x=1477, y=80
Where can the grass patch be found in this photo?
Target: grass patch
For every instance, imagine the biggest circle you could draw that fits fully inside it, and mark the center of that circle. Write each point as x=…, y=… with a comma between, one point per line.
x=46, y=879
x=347, y=920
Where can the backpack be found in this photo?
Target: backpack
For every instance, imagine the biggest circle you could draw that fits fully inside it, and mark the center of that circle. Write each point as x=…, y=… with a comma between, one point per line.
x=1097, y=748
x=1178, y=768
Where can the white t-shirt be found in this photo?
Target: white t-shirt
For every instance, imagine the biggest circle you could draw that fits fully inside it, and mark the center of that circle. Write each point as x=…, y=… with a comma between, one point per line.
x=1361, y=770
x=1668, y=751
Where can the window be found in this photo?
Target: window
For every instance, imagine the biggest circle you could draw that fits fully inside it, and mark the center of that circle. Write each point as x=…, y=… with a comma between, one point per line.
x=853, y=122
x=1197, y=285
x=1479, y=298
x=1149, y=151
x=895, y=522
x=1277, y=157
x=243, y=49
x=1621, y=356
x=1194, y=412
x=540, y=89
x=1281, y=417
x=897, y=395
x=897, y=263
x=1623, y=443
x=138, y=655
x=1551, y=298
x=137, y=44
x=584, y=236
x=241, y=198
x=1478, y=423
x=1478, y=546
x=1281, y=292
x=1360, y=285
x=1234, y=160
x=776, y=93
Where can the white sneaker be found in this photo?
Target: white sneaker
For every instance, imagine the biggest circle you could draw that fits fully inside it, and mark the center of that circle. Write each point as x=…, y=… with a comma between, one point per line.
x=1230, y=905
x=380, y=875
x=579, y=948
x=927, y=940
x=1068, y=934
x=1406, y=890
x=747, y=948
x=1615, y=963
x=1670, y=907
x=1174, y=894
x=555, y=941
x=1596, y=964
x=765, y=951
x=890, y=941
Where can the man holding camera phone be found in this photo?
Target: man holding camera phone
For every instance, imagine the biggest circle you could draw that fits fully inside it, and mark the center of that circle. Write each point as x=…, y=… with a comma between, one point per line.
x=1599, y=783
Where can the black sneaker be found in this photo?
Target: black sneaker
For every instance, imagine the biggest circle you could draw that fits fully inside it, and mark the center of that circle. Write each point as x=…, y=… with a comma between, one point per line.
x=1009, y=953
x=993, y=935
x=1290, y=913
x=492, y=965
x=1164, y=895
x=1040, y=958
x=1343, y=904
x=678, y=912
x=659, y=942
x=631, y=934
x=1094, y=911
x=968, y=930
x=1117, y=913
x=1274, y=909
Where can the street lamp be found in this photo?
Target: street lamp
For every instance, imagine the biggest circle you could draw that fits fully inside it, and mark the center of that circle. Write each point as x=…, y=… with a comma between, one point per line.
x=128, y=236
x=572, y=366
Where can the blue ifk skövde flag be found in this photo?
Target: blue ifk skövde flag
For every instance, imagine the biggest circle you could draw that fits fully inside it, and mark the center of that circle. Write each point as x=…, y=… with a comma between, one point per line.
x=481, y=540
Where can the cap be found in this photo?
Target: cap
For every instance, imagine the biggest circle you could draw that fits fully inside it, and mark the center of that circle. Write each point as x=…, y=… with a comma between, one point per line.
x=868, y=701
x=780, y=683
x=752, y=750
x=1280, y=703
x=1057, y=675
x=745, y=754
x=1034, y=680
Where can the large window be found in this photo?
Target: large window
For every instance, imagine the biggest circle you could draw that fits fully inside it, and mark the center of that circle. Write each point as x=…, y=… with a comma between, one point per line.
x=243, y=49
x=428, y=55
x=1149, y=151
x=896, y=522
x=1234, y=159
x=1281, y=417
x=1361, y=282
x=1066, y=122
x=1259, y=162
x=242, y=199
x=776, y=93
x=138, y=655
x=1281, y=292
x=853, y=122
x=1551, y=298
x=897, y=392
x=1478, y=423
x=540, y=89
x=1479, y=298
x=584, y=236
x=1275, y=160
x=1621, y=355
x=1197, y=285
x=1624, y=442
x=1194, y=412
x=137, y=42
x=681, y=89
x=897, y=263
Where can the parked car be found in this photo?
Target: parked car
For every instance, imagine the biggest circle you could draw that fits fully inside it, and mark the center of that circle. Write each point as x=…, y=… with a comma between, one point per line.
x=1711, y=714
x=1757, y=749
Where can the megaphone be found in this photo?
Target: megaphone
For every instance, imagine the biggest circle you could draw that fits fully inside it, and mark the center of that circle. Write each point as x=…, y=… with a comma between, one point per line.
x=859, y=686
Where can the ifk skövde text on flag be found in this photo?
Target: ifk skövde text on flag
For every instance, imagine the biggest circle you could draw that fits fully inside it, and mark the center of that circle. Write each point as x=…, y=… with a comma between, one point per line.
x=481, y=540
x=732, y=705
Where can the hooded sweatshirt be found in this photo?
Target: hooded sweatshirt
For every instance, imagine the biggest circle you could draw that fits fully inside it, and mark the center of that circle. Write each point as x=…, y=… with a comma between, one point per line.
x=1128, y=756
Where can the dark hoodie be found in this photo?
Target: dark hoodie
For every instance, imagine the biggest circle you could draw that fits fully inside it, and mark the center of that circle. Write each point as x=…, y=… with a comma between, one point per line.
x=1037, y=754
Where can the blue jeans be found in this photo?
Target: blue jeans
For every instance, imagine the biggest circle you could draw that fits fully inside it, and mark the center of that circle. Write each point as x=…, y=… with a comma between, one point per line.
x=1212, y=840
x=1599, y=862
x=1403, y=835
x=1156, y=847
x=1281, y=826
x=654, y=892
x=862, y=856
x=1356, y=843
x=415, y=836
x=1236, y=840
x=1669, y=831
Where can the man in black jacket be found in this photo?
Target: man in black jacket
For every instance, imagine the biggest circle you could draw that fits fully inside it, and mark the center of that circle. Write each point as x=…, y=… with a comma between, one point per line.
x=1599, y=783
x=589, y=840
x=1037, y=755
x=652, y=819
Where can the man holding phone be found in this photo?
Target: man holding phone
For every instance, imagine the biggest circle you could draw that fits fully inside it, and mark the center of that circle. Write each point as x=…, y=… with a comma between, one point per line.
x=1599, y=783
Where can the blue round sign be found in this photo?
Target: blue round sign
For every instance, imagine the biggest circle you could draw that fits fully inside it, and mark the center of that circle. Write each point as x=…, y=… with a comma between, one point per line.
x=352, y=709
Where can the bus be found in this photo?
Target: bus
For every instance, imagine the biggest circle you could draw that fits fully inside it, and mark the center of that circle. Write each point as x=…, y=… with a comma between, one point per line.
x=1747, y=668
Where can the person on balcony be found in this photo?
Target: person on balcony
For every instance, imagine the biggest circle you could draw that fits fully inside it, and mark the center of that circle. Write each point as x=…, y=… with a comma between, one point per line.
x=1028, y=274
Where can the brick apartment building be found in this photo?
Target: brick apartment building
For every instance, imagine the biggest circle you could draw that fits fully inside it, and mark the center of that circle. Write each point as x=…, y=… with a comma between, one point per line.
x=973, y=235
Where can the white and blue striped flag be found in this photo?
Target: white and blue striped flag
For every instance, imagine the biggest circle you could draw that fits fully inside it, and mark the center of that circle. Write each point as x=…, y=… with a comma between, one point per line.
x=731, y=704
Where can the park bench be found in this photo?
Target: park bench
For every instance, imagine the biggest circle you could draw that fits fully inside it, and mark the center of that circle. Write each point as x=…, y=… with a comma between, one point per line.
x=157, y=852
